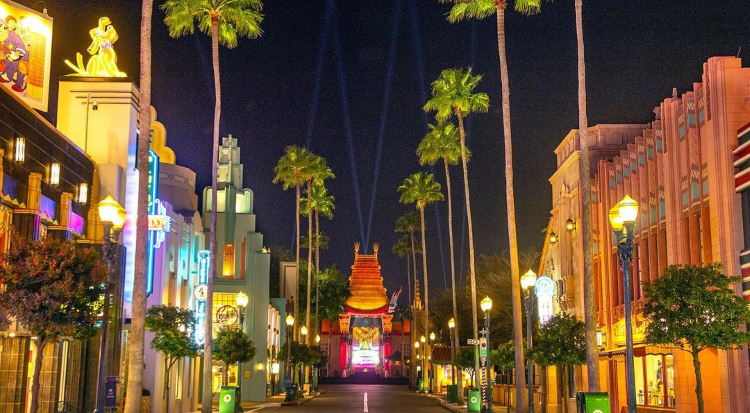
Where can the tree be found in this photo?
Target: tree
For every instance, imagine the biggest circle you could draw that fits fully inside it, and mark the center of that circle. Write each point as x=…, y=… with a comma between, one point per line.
x=232, y=346
x=453, y=94
x=480, y=9
x=278, y=254
x=54, y=290
x=442, y=143
x=225, y=21
x=421, y=189
x=694, y=308
x=334, y=290
x=134, y=388
x=402, y=248
x=408, y=223
x=174, y=336
x=560, y=342
x=464, y=360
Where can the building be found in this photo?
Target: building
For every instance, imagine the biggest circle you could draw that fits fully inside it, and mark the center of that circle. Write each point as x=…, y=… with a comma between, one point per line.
x=242, y=265
x=680, y=168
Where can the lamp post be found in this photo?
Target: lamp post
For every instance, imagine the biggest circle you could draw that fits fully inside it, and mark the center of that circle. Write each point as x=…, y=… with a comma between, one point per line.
x=451, y=326
x=486, y=306
x=242, y=300
x=415, y=358
x=112, y=215
x=425, y=374
x=623, y=217
x=290, y=396
x=528, y=281
x=429, y=358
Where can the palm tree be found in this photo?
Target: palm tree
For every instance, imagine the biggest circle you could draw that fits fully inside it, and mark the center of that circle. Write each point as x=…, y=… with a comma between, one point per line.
x=479, y=9
x=409, y=224
x=442, y=142
x=453, y=94
x=402, y=248
x=589, y=292
x=292, y=170
x=136, y=341
x=225, y=21
x=322, y=204
x=421, y=189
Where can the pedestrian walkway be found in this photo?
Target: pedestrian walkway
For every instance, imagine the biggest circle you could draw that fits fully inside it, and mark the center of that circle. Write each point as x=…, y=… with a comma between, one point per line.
x=273, y=401
x=463, y=408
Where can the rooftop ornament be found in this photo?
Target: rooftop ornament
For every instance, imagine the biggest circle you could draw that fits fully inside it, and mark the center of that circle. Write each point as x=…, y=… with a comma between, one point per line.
x=103, y=60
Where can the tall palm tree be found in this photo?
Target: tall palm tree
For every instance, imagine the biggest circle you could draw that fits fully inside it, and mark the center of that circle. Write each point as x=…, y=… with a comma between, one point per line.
x=421, y=189
x=138, y=313
x=402, y=248
x=322, y=204
x=293, y=170
x=443, y=143
x=453, y=95
x=589, y=291
x=224, y=21
x=409, y=224
x=479, y=9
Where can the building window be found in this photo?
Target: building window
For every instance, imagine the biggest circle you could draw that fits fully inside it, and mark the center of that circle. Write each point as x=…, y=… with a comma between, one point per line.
x=54, y=174
x=654, y=380
x=19, y=150
x=83, y=193
x=228, y=264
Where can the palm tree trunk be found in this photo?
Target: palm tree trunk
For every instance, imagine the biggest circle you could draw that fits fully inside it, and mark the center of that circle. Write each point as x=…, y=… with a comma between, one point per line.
x=207, y=359
x=453, y=264
x=309, y=259
x=698, y=379
x=470, y=227
x=589, y=290
x=414, y=262
x=317, y=270
x=544, y=390
x=35, y=383
x=296, y=260
x=427, y=351
x=521, y=401
x=136, y=338
x=408, y=277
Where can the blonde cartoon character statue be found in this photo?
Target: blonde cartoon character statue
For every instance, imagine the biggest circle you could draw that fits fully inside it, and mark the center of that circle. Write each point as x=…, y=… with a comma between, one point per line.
x=103, y=60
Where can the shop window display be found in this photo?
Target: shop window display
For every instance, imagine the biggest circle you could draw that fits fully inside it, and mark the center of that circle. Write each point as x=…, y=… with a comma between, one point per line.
x=654, y=380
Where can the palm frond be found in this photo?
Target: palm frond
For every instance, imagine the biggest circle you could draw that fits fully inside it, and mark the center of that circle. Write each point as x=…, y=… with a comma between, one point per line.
x=471, y=9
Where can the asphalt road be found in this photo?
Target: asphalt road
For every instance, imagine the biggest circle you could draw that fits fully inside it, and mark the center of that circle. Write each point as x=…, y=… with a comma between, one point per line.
x=366, y=398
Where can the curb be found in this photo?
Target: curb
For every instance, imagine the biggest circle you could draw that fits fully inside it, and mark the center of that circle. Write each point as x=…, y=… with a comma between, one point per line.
x=296, y=402
x=443, y=403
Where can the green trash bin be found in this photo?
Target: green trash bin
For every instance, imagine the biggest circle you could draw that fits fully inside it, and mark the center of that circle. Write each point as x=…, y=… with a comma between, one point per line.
x=474, y=400
x=592, y=402
x=227, y=399
x=420, y=385
x=452, y=393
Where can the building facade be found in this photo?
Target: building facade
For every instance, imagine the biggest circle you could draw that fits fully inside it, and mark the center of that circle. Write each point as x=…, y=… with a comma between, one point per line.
x=680, y=169
x=242, y=265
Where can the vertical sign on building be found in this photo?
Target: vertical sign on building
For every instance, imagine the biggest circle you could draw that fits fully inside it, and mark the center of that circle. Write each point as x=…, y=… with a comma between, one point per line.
x=200, y=293
x=544, y=289
x=153, y=204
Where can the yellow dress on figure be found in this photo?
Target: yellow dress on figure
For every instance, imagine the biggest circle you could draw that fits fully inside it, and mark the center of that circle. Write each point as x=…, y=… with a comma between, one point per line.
x=103, y=60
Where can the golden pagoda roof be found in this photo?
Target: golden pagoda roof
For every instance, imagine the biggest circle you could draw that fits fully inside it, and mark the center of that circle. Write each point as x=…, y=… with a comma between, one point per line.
x=366, y=283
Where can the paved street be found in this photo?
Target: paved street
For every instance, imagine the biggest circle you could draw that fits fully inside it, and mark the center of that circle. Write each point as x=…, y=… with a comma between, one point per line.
x=366, y=398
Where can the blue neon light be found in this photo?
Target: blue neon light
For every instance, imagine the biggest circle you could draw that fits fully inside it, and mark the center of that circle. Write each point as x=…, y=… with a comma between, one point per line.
x=153, y=194
x=200, y=297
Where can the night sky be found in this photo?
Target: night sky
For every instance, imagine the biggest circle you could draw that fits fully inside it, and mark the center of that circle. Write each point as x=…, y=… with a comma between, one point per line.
x=349, y=80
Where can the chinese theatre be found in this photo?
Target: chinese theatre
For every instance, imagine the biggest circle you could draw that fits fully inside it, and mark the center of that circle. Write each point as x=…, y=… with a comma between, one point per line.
x=366, y=338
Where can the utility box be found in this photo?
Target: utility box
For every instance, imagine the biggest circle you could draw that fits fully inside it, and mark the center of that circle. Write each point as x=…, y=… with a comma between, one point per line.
x=592, y=402
x=227, y=399
x=474, y=400
x=452, y=393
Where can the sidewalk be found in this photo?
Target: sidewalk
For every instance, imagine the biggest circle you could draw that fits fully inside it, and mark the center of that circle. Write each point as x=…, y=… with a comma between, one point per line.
x=273, y=401
x=463, y=409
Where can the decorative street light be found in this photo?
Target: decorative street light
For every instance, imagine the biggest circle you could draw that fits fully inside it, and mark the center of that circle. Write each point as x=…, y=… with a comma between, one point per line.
x=570, y=225
x=486, y=306
x=317, y=339
x=290, y=396
x=242, y=300
x=623, y=217
x=451, y=326
x=112, y=215
x=303, y=331
x=528, y=281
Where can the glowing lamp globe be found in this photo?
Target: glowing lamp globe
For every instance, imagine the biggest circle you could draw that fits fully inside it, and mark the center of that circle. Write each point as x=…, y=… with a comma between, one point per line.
x=614, y=218
x=452, y=323
x=290, y=320
x=275, y=368
x=416, y=344
x=570, y=225
x=486, y=304
x=528, y=280
x=303, y=330
x=242, y=299
x=111, y=211
x=317, y=338
x=628, y=209
x=423, y=339
x=432, y=336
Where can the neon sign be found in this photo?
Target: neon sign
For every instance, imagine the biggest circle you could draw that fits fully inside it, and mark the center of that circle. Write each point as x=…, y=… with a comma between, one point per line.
x=154, y=206
x=200, y=293
x=545, y=291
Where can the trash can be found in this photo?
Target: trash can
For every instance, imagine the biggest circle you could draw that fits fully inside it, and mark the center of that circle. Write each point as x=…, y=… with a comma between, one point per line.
x=592, y=402
x=227, y=399
x=474, y=400
x=420, y=385
x=452, y=393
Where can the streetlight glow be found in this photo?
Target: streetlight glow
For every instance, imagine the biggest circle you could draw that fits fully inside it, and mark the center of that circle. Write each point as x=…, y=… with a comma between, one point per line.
x=111, y=211
x=486, y=304
x=303, y=330
x=423, y=339
x=451, y=323
x=615, y=219
x=628, y=209
x=317, y=338
x=528, y=280
x=242, y=299
x=570, y=225
x=432, y=336
x=416, y=344
x=289, y=320
x=553, y=238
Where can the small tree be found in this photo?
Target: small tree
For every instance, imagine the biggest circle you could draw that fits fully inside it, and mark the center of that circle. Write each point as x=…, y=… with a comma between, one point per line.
x=53, y=289
x=232, y=346
x=560, y=342
x=173, y=330
x=694, y=308
x=464, y=360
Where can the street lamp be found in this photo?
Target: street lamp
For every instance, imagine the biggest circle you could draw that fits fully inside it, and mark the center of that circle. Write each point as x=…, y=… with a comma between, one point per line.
x=451, y=326
x=112, y=215
x=303, y=331
x=528, y=281
x=290, y=396
x=486, y=306
x=623, y=217
x=317, y=339
x=242, y=300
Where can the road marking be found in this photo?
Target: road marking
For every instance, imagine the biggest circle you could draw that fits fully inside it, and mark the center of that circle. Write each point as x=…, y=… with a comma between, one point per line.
x=365, y=410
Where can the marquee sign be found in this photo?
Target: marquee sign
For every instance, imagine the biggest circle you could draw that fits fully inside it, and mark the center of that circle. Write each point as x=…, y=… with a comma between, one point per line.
x=200, y=294
x=545, y=291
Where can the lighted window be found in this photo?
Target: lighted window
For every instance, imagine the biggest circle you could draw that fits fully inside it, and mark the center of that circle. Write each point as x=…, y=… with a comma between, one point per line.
x=20, y=150
x=54, y=174
x=228, y=265
x=83, y=193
